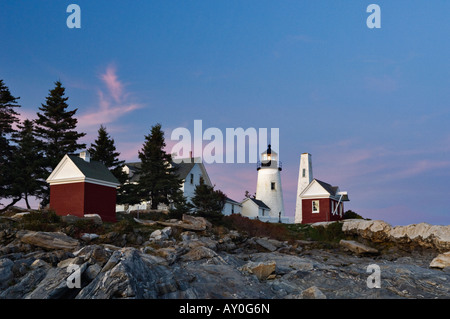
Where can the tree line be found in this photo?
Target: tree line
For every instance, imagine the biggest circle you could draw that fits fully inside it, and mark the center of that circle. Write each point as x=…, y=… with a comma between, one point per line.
x=31, y=149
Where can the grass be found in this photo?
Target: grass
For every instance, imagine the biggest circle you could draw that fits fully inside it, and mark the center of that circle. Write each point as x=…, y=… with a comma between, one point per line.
x=41, y=221
x=283, y=232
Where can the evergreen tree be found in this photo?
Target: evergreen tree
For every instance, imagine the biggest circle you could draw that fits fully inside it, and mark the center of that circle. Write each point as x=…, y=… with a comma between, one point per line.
x=27, y=163
x=180, y=206
x=104, y=150
x=56, y=129
x=8, y=117
x=158, y=181
x=208, y=201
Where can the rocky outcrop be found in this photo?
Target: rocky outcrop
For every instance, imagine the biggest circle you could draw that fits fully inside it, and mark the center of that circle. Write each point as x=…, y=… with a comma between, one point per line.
x=262, y=270
x=48, y=240
x=357, y=248
x=423, y=234
x=441, y=261
x=187, y=264
x=375, y=230
x=189, y=223
x=313, y=293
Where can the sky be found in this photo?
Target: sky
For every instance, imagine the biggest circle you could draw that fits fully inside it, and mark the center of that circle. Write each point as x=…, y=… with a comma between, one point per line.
x=370, y=105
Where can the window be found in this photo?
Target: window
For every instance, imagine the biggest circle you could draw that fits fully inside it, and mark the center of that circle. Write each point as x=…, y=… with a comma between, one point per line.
x=315, y=206
x=272, y=186
x=304, y=173
x=202, y=181
x=232, y=208
x=332, y=206
x=192, y=178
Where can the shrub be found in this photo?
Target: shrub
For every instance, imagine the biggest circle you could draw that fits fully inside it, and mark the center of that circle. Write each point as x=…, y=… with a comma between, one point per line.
x=256, y=228
x=351, y=215
x=45, y=220
x=124, y=226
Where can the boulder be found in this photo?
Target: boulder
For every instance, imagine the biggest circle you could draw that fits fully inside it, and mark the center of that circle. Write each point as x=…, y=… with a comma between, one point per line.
x=266, y=244
x=161, y=234
x=145, y=222
x=357, y=248
x=95, y=217
x=313, y=293
x=441, y=261
x=423, y=234
x=262, y=270
x=189, y=223
x=6, y=273
x=134, y=275
x=92, y=271
x=198, y=253
x=375, y=230
x=20, y=215
x=48, y=240
x=199, y=222
x=89, y=237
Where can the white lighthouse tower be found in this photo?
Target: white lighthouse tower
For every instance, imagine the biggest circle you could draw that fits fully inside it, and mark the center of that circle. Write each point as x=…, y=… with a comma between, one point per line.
x=268, y=187
x=305, y=177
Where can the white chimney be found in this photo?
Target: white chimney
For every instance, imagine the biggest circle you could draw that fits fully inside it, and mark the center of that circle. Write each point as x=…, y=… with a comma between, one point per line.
x=305, y=177
x=85, y=156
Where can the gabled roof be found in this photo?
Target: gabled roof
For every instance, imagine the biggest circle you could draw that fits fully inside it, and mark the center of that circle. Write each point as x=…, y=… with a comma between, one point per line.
x=232, y=201
x=258, y=202
x=82, y=171
x=94, y=169
x=330, y=189
x=183, y=166
x=327, y=188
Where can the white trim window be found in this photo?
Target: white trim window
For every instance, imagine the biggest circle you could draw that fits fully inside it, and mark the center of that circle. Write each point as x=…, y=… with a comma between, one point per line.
x=315, y=207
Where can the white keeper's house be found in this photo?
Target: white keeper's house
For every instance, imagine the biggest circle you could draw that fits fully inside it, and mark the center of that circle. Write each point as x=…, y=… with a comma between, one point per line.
x=192, y=171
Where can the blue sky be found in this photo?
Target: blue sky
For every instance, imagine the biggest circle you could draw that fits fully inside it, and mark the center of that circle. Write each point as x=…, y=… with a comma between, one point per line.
x=370, y=105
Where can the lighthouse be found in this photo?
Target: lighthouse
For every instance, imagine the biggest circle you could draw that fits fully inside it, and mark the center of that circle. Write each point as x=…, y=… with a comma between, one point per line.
x=268, y=187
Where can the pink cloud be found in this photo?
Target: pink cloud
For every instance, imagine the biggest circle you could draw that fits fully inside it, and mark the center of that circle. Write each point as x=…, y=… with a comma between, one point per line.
x=113, y=84
x=112, y=105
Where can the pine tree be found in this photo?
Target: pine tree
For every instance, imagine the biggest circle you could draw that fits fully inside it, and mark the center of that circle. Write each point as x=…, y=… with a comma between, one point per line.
x=208, y=202
x=56, y=129
x=158, y=181
x=104, y=150
x=8, y=118
x=181, y=206
x=27, y=163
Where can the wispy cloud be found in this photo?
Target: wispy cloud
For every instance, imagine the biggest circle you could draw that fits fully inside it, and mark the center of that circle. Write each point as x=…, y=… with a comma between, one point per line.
x=112, y=103
x=113, y=84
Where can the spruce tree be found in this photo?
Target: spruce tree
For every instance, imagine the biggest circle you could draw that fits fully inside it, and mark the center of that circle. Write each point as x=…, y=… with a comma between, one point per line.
x=27, y=163
x=8, y=118
x=158, y=181
x=208, y=202
x=104, y=150
x=56, y=129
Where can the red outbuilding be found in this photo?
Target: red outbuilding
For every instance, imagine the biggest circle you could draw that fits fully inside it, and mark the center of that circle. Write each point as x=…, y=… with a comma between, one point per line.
x=322, y=202
x=79, y=186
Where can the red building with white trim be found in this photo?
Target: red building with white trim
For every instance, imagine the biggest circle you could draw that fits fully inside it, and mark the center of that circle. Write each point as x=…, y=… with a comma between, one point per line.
x=321, y=203
x=317, y=201
x=79, y=186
